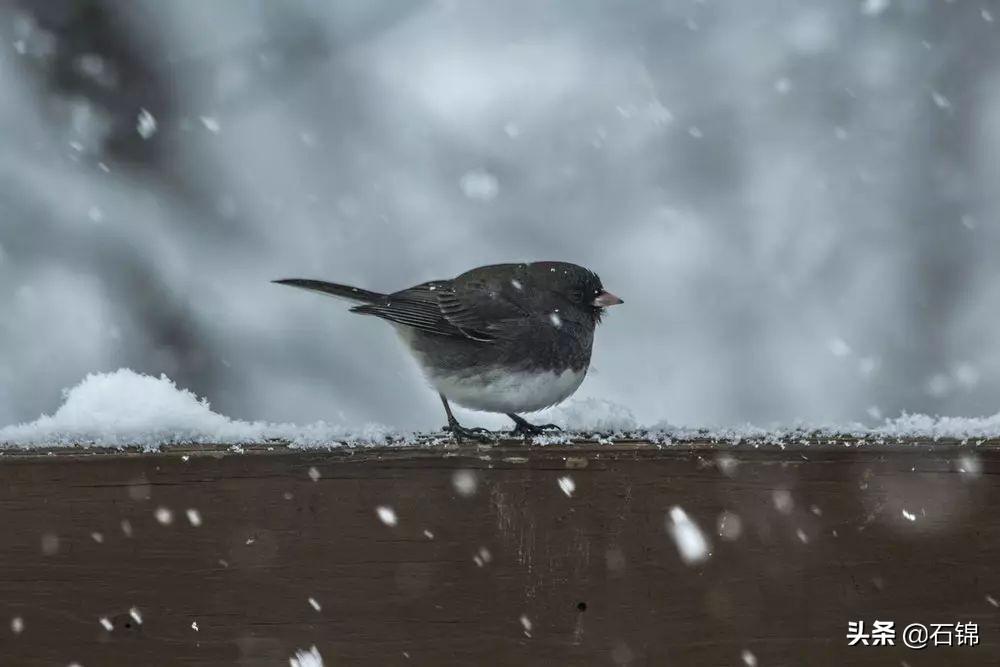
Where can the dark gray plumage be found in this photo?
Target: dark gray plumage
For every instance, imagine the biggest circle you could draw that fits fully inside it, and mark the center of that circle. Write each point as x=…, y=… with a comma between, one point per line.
x=502, y=338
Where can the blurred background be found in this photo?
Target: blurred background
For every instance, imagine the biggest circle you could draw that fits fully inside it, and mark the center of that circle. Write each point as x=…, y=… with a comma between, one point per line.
x=797, y=199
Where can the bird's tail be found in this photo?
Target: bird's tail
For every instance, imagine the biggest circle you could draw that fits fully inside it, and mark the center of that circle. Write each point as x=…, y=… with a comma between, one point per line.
x=333, y=289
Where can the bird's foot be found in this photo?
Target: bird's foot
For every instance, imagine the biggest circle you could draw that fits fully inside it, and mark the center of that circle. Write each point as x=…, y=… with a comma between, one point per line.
x=526, y=429
x=461, y=433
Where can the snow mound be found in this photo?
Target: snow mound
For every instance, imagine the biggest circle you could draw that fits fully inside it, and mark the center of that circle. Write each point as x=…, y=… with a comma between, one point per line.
x=592, y=415
x=127, y=408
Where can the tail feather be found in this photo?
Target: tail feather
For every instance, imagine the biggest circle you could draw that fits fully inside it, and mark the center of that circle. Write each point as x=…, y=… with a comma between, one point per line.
x=333, y=289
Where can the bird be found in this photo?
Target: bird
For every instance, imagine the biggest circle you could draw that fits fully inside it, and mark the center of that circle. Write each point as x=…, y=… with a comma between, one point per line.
x=504, y=338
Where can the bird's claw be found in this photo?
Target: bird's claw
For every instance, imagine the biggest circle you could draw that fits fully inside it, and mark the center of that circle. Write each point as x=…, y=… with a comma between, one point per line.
x=526, y=430
x=460, y=432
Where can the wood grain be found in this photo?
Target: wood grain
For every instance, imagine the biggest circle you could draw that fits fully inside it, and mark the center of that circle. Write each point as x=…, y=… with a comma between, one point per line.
x=824, y=540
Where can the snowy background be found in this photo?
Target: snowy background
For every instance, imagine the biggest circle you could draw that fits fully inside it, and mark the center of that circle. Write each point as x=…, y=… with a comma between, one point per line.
x=797, y=200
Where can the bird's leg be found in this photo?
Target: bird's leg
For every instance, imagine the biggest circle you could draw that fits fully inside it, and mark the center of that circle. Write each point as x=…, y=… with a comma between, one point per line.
x=526, y=429
x=459, y=431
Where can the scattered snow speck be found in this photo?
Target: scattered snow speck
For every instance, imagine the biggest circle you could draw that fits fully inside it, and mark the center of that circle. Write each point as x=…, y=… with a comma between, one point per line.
x=987, y=15
x=194, y=625
x=105, y=623
x=95, y=214
x=310, y=658
x=966, y=375
x=969, y=464
x=816, y=510
x=313, y=474
x=145, y=124
x=50, y=544
x=567, y=486
x=211, y=124
x=783, y=501
x=691, y=543
x=874, y=7
x=516, y=283
x=801, y=534
x=526, y=624
x=695, y=132
x=465, y=482
x=512, y=130
x=17, y=625
x=194, y=517
x=555, y=320
x=314, y=604
x=127, y=527
x=428, y=534
x=874, y=412
x=164, y=515
x=136, y=616
x=727, y=464
x=97, y=537
x=386, y=515
x=479, y=184
x=783, y=86
x=909, y=516
x=730, y=526
x=482, y=557
x=749, y=659
x=993, y=601
x=940, y=101
x=838, y=347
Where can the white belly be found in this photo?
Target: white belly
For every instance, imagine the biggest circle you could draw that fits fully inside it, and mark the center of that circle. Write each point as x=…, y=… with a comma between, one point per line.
x=497, y=391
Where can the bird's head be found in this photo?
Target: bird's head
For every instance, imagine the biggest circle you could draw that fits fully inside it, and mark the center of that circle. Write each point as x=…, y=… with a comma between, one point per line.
x=580, y=287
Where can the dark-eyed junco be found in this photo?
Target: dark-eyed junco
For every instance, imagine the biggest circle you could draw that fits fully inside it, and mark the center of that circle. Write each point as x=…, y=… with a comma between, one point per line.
x=503, y=338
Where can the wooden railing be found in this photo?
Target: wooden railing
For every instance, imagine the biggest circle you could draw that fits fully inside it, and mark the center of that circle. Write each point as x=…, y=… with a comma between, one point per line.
x=505, y=555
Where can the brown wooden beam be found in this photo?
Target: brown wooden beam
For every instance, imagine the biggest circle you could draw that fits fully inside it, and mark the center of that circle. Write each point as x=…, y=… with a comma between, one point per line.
x=829, y=533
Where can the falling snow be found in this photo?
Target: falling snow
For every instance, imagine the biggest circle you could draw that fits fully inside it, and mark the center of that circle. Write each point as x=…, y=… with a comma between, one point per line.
x=313, y=474
x=909, y=516
x=211, y=124
x=310, y=658
x=465, y=482
x=482, y=557
x=145, y=124
x=50, y=544
x=193, y=517
x=480, y=185
x=567, y=485
x=691, y=543
x=730, y=526
x=314, y=604
x=386, y=515
x=782, y=500
x=874, y=7
x=106, y=623
x=17, y=625
x=164, y=515
x=526, y=624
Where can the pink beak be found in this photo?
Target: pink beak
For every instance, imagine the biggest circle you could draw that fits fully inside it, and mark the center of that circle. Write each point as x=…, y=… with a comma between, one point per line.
x=605, y=299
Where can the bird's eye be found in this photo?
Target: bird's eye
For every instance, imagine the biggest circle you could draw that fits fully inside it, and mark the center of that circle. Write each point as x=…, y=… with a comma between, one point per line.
x=576, y=296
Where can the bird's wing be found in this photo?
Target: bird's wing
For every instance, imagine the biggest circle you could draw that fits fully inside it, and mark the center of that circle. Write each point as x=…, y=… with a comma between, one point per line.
x=467, y=309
